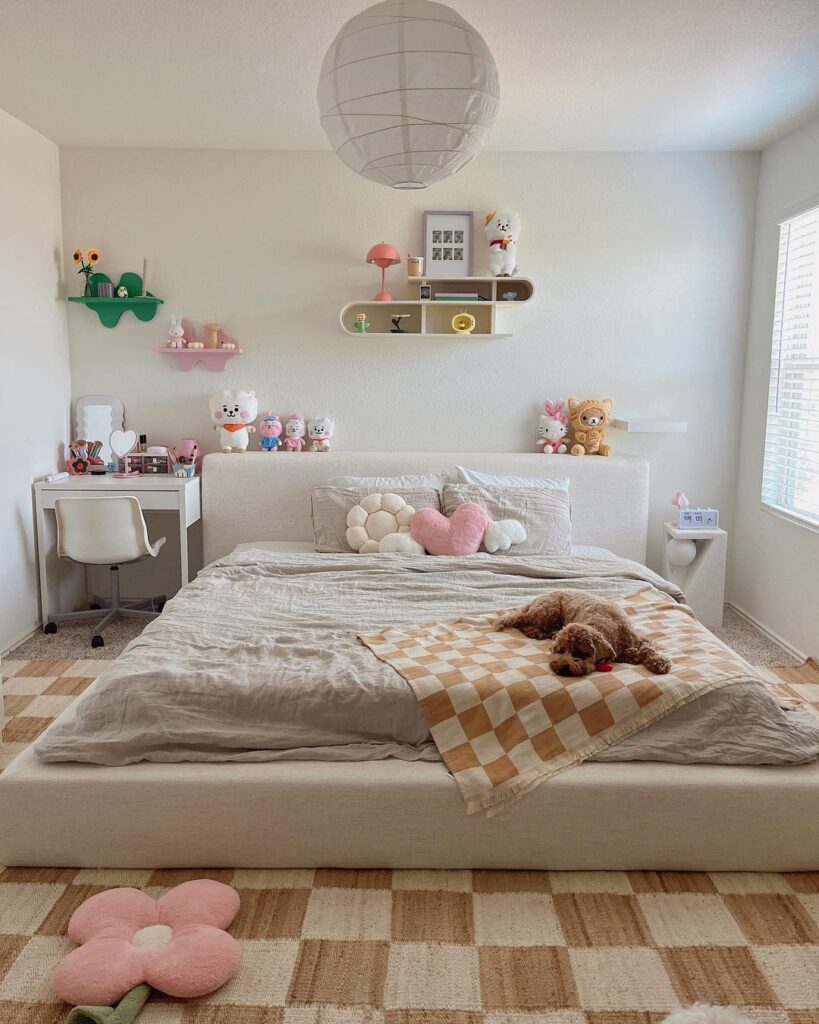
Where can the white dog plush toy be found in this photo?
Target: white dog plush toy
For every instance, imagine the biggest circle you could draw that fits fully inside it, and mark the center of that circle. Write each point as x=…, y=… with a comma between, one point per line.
x=233, y=413
x=502, y=232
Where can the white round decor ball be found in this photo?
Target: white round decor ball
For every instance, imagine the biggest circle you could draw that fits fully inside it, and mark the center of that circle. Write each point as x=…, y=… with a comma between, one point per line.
x=408, y=93
x=681, y=552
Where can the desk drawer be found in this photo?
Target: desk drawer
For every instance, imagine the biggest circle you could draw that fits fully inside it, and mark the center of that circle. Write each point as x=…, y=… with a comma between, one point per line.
x=151, y=501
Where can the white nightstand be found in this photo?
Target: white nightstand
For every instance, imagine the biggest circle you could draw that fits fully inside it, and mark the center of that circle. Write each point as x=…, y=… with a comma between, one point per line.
x=702, y=577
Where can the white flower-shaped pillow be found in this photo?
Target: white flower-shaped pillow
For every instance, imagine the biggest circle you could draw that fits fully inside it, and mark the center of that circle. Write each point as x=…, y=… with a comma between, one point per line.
x=380, y=522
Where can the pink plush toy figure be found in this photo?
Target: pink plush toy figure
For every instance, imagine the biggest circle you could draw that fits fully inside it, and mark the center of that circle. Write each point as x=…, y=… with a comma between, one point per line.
x=294, y=430
x=270, y=428
x=553, y=428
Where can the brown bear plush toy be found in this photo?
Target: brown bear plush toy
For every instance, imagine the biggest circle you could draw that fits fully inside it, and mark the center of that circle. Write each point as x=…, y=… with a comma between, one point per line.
x=589, y=419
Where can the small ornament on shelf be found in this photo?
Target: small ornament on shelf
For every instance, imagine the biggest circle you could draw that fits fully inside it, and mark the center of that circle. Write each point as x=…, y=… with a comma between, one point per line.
x=463, y=323
x=396, y=323
x=502, y=231
x=176, y=337
x=362, y=324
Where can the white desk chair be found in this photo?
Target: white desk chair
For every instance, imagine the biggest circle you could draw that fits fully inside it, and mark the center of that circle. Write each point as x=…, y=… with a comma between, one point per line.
x=105, y=531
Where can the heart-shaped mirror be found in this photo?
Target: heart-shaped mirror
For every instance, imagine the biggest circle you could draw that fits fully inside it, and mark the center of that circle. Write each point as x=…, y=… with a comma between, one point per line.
x=122, y=442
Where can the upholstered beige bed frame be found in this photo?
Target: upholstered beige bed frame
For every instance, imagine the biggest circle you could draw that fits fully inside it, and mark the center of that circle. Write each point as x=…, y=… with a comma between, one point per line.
x=396, y=813
x=259, y=496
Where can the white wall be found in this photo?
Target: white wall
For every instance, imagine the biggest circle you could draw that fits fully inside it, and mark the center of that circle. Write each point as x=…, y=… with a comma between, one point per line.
x=774, y=563
x=34, y=379
x=641, y=264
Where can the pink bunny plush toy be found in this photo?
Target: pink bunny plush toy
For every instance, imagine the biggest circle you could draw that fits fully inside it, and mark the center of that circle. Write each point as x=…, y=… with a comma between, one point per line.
x=553, y=428
x=294, y=430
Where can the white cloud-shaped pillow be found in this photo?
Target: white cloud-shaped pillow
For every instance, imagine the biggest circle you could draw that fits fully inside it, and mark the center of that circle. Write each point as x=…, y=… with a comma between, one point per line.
x=380, y=522
x=501, y=535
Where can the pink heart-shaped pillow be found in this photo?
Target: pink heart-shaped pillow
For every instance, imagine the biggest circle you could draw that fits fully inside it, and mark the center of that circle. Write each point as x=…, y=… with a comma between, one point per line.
x=460, y=535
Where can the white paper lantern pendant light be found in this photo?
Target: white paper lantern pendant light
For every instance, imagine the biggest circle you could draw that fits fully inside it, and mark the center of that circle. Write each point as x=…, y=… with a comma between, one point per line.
x=408, y=93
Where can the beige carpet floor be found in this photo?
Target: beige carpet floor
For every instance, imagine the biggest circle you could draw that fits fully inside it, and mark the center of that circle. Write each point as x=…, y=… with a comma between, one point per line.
x=439, y=947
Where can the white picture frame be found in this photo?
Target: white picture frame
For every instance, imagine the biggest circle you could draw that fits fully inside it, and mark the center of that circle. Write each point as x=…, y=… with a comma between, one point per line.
x=448, y=243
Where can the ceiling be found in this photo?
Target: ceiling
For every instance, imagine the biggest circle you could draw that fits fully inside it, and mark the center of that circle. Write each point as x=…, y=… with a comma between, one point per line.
x=575, y=74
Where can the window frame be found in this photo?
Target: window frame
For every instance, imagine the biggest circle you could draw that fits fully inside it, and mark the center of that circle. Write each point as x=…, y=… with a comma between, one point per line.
x=788, y=213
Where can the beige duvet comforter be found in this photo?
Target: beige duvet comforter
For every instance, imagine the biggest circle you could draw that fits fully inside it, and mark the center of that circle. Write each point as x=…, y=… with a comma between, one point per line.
x=258, y=660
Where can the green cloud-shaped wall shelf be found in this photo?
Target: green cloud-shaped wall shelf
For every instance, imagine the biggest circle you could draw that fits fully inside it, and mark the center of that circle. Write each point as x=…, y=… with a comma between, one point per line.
x=109, y=310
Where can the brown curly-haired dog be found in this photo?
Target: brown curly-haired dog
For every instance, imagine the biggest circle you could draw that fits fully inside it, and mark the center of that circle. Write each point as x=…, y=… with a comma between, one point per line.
x=586, y=630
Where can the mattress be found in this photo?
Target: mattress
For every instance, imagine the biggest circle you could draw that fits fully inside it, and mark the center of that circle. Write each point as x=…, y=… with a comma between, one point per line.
x=258, y=660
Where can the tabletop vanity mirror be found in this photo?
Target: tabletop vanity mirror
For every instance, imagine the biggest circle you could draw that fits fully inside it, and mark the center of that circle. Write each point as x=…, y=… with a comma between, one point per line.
x=96, y=417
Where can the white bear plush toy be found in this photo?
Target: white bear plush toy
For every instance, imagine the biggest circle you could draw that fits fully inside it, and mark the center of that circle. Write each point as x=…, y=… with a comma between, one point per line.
x=233, y=413
x=502, y=233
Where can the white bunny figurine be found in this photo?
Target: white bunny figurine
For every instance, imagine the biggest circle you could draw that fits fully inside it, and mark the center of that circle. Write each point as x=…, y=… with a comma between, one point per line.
x=176, y=338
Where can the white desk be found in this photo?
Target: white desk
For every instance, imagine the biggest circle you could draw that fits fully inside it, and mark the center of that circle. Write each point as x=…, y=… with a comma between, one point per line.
x=162, y=494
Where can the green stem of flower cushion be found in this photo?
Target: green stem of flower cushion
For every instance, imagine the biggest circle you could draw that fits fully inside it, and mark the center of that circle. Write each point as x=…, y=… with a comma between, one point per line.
x=125, y=1012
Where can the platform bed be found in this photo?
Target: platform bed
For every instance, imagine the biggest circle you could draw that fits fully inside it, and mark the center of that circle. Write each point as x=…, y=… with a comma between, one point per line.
x=400, y=814
x=404, y=814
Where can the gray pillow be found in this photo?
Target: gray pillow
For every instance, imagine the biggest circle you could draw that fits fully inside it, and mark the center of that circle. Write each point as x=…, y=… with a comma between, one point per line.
x=393, y=484
x=543, y=512
x=331, y=505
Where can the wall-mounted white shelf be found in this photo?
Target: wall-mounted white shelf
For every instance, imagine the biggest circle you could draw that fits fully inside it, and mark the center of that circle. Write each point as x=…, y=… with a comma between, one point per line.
x=635, y=426
x=429, y=318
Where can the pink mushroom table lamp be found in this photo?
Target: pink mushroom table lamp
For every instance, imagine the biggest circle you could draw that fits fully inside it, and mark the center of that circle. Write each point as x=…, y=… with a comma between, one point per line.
x=383, y=255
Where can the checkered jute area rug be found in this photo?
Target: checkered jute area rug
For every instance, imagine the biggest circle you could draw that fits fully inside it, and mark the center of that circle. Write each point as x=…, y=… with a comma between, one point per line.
x=439, y=947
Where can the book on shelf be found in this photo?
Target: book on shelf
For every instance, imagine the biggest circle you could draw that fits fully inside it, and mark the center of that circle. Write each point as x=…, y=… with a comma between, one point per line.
x=457, y=297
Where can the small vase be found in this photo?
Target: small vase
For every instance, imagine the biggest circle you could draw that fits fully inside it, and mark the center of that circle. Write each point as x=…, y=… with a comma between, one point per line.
x=212, y=331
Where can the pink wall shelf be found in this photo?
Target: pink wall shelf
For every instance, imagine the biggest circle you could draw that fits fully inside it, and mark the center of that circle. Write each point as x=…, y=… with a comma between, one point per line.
x=214, y=358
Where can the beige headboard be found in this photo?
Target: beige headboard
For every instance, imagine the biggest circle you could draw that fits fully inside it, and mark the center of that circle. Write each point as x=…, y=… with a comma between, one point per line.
x=266, y=496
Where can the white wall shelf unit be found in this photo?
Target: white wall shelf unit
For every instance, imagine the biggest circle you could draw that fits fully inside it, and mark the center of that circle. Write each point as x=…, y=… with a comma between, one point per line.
x=431, y=318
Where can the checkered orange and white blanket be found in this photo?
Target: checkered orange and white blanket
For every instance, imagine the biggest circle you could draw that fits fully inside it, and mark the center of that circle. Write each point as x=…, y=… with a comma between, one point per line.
x=503, y=722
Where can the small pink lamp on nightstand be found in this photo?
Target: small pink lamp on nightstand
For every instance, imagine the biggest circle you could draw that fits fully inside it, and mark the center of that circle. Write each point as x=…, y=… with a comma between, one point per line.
x=383, y=255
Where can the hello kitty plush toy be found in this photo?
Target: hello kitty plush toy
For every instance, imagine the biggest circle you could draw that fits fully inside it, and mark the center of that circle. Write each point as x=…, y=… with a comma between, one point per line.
x=294, y=431
x=233, y=413
x=320, y=430
x=270, y=427
x=502, y=231
x=553, y=428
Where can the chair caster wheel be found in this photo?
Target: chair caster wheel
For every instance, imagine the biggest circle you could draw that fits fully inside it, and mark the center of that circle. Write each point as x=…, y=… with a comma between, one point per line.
x=50, y=627
x=97, y=641
x=94, y=607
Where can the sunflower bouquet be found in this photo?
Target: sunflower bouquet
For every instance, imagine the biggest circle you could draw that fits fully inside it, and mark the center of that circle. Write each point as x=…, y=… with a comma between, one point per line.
x=87, y=261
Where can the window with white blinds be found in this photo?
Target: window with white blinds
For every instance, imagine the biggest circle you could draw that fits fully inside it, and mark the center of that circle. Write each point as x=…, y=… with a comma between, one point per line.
x=790, y=480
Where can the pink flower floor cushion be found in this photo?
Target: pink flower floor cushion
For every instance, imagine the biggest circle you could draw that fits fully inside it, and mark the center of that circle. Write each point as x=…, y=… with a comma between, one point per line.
x=127, y=940
x=460, y=535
